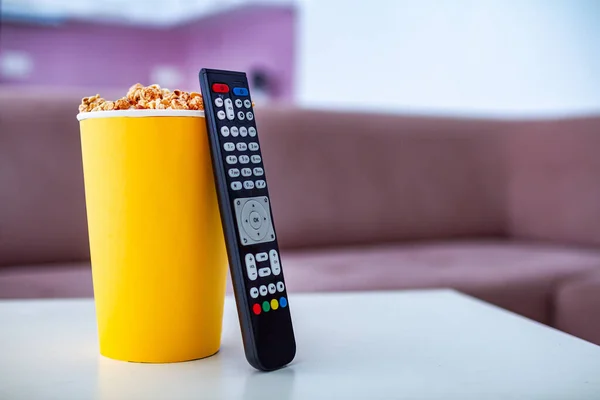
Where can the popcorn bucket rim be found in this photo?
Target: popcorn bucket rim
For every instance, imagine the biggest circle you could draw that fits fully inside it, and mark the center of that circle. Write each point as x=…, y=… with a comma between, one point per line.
x=139, y=114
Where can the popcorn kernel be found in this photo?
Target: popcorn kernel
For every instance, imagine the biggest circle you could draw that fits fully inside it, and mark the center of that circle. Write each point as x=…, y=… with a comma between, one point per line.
x=140, y=97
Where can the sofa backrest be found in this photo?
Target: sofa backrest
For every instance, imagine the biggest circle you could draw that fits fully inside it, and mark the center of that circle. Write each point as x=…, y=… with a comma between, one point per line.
x=349, y=178
x=554, y=185
x=42, y=207
x=335, y=178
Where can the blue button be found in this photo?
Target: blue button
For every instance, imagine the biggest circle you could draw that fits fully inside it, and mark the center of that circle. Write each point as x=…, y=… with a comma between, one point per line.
x=240, y=91
x=282, y=302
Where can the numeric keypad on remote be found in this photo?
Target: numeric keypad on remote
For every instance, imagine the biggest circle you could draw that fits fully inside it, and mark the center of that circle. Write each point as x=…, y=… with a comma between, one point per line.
x=240, y=156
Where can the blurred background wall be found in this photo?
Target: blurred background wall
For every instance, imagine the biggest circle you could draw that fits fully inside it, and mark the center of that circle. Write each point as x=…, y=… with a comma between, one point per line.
x=459, y=57
x=99, y=54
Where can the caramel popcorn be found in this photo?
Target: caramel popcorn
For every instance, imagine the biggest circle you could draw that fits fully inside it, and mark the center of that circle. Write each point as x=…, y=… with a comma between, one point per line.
x=140, y=97
x=89, y=103
x=122, y=104
x=195, y=102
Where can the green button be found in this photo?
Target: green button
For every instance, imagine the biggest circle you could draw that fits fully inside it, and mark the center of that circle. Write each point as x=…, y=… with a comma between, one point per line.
x=266, y=306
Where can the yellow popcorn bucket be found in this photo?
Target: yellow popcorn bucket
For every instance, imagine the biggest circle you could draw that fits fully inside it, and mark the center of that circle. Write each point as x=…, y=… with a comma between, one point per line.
x=158, y=255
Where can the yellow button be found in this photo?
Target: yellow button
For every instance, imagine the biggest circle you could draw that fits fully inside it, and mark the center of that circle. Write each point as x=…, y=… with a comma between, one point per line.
x=274, y=304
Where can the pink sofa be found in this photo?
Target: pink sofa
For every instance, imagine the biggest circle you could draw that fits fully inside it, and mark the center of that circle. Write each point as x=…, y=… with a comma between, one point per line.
x=506, y=211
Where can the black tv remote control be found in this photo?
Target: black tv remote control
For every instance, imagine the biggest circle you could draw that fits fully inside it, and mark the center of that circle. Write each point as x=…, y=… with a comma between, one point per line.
x=244, y=202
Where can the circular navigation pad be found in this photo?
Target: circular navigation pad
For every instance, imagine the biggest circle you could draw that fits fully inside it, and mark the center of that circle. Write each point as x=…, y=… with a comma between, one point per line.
x=253, y=217
x=254, y=220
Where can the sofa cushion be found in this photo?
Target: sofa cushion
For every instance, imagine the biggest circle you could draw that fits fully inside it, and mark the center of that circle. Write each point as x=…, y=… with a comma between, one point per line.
x=356, y=178
x=46, y=281
x=578, y=307
x=517, y=276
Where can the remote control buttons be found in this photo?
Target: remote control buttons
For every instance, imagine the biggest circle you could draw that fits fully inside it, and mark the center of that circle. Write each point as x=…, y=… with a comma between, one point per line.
x=252, y=131
x=260, y=184
x=263, y=290
x=221, y=114
x=258, y=171
x=236, y=185
x=249, y=116
x=220, y=88
x=266, y=271
x=228, y=146
x=234, y=172
x=253, y=231
x=240, y=91
x=274, y=304
x=251, y=267
x=255, y=158
x=231, y=159
x=241, y=115
x=256, y=222
x=248, y=185
x=241, y=146
x=244, y=159
x=243, y=131
x=246, y=172
x=229, y=109
x=260, y=257
x=234, y=131
x=266, y=306
x=253, y=146
x=247, y=103
x=224, y=131
x=274, y=259
x=219, y=102
x=238, y=102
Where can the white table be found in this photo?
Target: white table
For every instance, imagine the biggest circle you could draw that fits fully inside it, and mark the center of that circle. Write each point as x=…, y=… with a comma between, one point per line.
x=409, y=345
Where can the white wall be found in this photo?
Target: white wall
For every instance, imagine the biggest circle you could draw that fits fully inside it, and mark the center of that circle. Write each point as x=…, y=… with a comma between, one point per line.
x=498, y=57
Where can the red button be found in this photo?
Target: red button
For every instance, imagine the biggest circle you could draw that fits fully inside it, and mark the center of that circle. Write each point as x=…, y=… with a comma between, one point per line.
x=220, y=88
x=256, y=309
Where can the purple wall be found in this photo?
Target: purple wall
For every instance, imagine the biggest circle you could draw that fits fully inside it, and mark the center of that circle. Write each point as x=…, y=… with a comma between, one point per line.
x=250, y=38
x=78, y=54
x=108, y=56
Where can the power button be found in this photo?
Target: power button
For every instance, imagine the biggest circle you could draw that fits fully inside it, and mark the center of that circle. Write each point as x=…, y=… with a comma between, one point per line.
x=220, y=88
